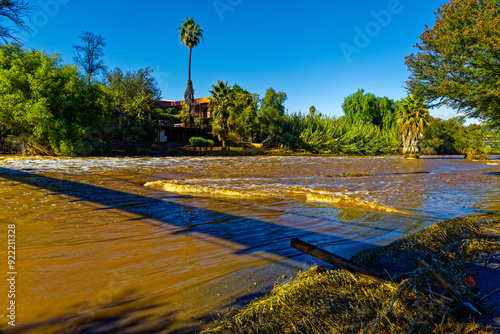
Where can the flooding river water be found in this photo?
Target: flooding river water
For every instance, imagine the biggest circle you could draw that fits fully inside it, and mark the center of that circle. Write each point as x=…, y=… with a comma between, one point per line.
x=129, y=244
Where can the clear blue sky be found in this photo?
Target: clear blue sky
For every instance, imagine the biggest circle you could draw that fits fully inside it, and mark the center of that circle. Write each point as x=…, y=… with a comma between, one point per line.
x=311, y=50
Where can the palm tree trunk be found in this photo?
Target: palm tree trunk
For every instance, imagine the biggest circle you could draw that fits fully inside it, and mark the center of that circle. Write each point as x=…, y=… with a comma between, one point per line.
x=190, y=49
x=189, y=78
x=410, y=146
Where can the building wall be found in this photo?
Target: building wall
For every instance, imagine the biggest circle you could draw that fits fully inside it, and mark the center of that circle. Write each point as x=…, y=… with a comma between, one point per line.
x=162, y=137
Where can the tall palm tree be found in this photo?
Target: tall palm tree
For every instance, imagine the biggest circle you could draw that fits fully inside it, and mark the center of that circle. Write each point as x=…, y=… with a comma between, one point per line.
x=190, y=34
x=412, y=117
x=219, y=106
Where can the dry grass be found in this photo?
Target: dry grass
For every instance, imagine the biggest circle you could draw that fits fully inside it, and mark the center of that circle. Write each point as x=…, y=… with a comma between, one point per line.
x=447, y=246
x=337, y=301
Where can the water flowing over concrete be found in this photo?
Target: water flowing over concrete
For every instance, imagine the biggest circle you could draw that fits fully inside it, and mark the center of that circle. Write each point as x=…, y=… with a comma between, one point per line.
x=157, y=244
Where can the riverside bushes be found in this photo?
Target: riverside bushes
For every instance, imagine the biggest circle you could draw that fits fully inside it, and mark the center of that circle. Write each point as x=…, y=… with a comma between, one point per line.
x=52, y=108
x=198, y=142
x=45, y=103
x=329, y=135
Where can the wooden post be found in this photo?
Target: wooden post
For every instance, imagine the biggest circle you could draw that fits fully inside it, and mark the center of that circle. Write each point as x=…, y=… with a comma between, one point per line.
x=335, y=260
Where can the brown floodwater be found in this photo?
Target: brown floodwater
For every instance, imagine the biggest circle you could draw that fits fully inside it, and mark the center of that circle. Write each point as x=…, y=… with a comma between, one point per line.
x=156, y=244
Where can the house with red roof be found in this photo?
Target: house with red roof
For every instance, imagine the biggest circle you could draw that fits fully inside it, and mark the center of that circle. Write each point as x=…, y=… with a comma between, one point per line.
x=200, y=106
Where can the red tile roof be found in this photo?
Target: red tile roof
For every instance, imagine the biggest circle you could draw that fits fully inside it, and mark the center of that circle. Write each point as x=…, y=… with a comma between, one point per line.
x=169, y=104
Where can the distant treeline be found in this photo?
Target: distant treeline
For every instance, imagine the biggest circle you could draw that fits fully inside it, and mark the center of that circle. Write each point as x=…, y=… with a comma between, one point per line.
x=53, y=108
x=371, y=125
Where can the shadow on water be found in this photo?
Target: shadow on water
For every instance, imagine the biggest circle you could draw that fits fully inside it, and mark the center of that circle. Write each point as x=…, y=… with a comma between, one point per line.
x=254, y=235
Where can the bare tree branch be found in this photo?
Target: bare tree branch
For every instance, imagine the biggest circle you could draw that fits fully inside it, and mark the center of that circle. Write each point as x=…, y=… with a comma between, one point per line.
x=88, y=56
x=15, y=13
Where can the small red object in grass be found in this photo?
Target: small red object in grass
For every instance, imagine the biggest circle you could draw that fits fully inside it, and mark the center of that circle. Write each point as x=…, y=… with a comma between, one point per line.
x=471, y=284
x=470, y=281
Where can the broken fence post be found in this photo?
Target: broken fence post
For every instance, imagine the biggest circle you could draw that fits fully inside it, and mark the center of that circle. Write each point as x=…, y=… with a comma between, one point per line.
x=335, y=260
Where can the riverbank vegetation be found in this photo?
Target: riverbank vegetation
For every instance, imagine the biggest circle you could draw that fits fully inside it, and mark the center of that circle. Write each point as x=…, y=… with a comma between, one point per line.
x=337, y=301
x=51, y=107
x=371, y=125
x=56, y=108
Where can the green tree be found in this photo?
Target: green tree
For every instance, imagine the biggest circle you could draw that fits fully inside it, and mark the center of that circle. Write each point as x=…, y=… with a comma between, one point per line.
x=361, y=106
x=469, y=140
x=242, y=114
x=190, y=34
x=46, y=103
x=386, y=108
x=440, y=135
x=271, y=115
x=234, y=112
x=134, y=97
x=312, y=111
x=370, y=109
x=491, y=140
x=219, y=106
x=457, y=61
x=89, y=55
x=16, y=13
x=412, y=118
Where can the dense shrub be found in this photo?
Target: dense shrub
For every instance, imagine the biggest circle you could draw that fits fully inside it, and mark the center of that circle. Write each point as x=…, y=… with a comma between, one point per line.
x=329, y=135
x=198, y=142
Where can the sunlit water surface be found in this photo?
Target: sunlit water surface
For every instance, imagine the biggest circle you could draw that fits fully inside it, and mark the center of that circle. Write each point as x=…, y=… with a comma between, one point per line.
x=98, y=251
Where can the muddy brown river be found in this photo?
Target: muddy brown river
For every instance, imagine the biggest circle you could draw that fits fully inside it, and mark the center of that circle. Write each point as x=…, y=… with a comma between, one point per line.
x=123, y=245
